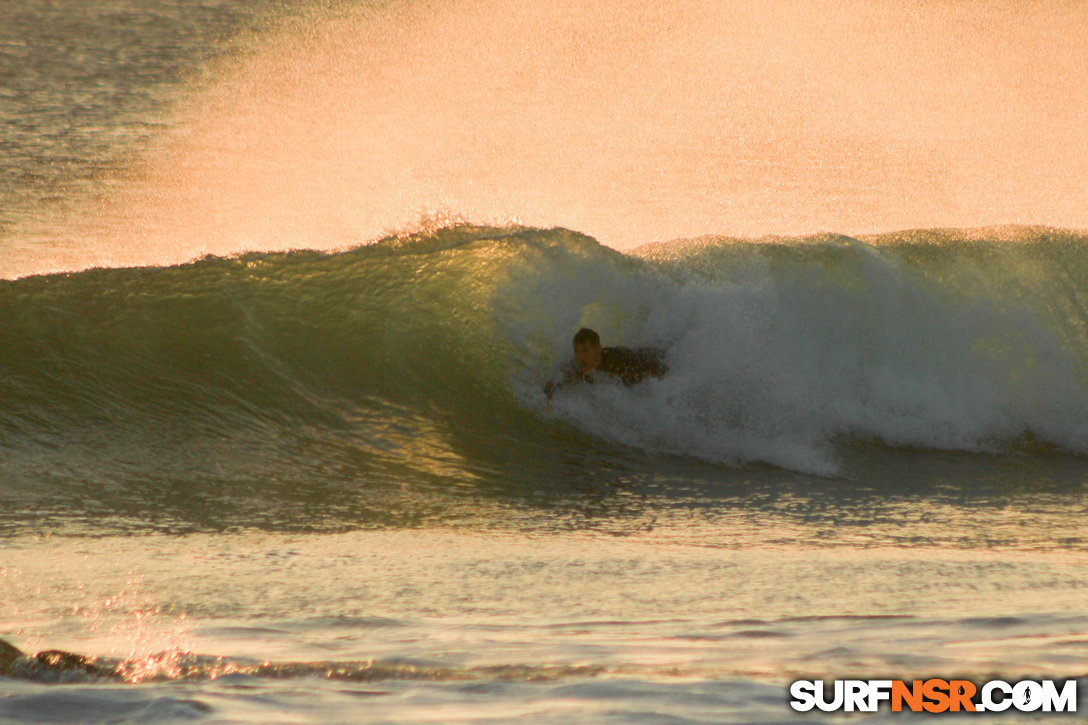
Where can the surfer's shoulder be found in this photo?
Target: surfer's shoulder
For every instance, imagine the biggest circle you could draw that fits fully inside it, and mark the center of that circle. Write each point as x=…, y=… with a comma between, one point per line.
x=632, y=365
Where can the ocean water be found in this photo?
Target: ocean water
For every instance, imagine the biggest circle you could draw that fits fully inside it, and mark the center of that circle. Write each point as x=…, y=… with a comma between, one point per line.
x=282, y=283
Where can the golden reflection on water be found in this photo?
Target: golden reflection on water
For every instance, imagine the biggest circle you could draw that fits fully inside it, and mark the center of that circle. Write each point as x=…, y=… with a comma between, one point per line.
x=653, y=603
x=417, y=443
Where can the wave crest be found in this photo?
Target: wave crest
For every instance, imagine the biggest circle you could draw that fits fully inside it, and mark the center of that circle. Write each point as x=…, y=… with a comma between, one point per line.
x=422, y=357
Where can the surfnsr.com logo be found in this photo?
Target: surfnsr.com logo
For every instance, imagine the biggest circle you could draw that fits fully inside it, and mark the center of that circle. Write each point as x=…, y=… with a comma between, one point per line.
x=935, y=696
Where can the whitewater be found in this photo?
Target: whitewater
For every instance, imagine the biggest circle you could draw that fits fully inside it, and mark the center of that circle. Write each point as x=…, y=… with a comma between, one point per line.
x=282, y=283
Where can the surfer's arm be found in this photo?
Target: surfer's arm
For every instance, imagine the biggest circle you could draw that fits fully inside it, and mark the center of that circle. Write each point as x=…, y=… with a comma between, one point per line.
x=549, y=389
x=569, y=375
x=552, y=385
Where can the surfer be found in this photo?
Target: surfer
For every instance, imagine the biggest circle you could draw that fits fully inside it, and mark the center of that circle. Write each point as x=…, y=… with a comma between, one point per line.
x=631, y=366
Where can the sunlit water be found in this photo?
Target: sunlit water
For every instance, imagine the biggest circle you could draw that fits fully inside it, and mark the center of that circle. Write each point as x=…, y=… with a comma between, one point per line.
x=693, y=600
x=696, y=623
x=324, y=487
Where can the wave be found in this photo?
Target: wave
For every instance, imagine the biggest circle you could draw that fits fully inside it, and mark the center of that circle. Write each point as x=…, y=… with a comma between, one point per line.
x=68, y=667
x=421, y=358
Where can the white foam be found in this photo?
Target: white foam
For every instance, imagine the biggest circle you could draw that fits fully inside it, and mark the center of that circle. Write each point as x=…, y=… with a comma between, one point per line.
x=779, y=358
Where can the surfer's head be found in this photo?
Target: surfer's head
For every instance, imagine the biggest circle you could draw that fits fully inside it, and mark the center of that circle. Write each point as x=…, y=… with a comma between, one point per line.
x=587, y=350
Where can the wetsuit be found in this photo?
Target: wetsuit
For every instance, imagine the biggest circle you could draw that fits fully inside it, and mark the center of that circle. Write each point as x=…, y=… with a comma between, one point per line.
x=629, y=365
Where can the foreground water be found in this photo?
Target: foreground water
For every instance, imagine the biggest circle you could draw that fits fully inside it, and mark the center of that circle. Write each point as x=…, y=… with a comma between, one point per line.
x=690, y=623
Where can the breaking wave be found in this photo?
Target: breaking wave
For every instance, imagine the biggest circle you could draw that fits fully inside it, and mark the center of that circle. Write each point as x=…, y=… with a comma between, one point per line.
x=421, y=358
